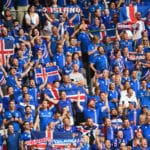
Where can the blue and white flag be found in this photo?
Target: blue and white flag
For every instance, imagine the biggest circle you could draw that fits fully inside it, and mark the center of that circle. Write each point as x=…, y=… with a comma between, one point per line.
x=127, y=13
x=50, y=72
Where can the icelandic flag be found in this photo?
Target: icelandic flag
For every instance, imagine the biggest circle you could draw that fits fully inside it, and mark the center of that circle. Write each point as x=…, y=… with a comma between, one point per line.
x=39, y=139
x=6, y=48
x=50, y=72
x=72, y=93
x=127, y=13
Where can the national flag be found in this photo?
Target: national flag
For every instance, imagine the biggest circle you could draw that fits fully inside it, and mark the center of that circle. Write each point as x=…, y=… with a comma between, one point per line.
x=6, y=48
x=39, y=139
x=127, y=13
x=54, y=92
x=51, y=72
x=72, y=93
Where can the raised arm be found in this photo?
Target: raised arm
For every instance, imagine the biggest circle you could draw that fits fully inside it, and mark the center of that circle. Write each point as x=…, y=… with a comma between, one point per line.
x=44, y=83
x=27, y=70
x=105, y=3
x=3, y=70
x=37, y=121
x=117, y=35
x=54, y=101
x=78, y=103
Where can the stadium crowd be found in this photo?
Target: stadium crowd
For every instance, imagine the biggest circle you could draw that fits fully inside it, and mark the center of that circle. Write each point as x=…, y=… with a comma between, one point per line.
x=102, y=56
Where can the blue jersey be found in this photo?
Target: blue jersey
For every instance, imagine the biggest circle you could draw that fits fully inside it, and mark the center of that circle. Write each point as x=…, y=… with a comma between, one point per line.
x=91, y=47
x=59, y=59
x=67, y=69
x=135, y=85
x=22, y=2
x=118, y=62
x=146, y=132
x=5, y=102
x=142, y=93
x=117, y=142
x=21, y=108
x=42, y=61
x=42, y=47
x=29, y=119
x=76, y=20
x=133, y=116
x=108, y=49
x=106, y=20
x=100, y=62
x=112, y=95
x=34, y=92
x=10, y=81
x=128, y=133
x=15, y=114
x=104, y=84
x=25, y=136
x=10, y=40
x=22, y=62
x=145, y=71
x=53, y=41
x=145, y=100
x=65, y=103
x=123, y=79
x=84, y=40
x=103, y=113
x=72, y=49
x=78, y=62
x=128, y=64
x=128, y=43
x=12, y=141
x=44, y=116
x=91, y=113
x=93, y=8
x=61, y=3
x=110, y=133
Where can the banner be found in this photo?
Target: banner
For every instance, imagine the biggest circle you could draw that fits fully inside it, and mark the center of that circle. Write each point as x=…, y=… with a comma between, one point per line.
x=41, y=140
x=63, y=10
x=136, y=57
